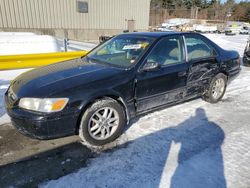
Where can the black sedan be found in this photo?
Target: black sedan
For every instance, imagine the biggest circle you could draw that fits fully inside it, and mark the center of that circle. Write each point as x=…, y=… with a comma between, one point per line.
x=131, y=74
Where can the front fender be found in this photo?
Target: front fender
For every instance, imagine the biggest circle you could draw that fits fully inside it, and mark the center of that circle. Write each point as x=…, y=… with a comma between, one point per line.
x=127, y=105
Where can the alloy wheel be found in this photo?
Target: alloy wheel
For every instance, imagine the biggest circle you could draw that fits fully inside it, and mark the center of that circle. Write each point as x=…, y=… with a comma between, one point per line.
x=103, y=123
x=218, y=88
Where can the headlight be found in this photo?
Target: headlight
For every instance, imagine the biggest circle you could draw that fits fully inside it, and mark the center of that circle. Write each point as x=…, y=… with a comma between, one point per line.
x=43, y=105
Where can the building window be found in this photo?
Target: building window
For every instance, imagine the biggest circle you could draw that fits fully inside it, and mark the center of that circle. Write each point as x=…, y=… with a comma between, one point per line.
x=82, y=6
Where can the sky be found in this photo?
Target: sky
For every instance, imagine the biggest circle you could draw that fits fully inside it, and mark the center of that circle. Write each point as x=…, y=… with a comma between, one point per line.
x=237, y=1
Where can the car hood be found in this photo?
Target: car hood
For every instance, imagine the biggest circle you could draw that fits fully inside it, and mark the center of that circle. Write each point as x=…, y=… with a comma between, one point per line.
x=56, y=78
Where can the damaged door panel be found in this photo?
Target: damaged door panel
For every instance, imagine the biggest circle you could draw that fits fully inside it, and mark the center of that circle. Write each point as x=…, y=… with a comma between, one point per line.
x=202, y=63
x=200, y=74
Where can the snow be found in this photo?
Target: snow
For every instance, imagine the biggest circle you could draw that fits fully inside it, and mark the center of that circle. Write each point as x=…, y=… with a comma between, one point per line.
x=236, y=42
x=16, y=33
x=176, y=21
x=13, y=43
x=28, y=44
x=204, y=28
x=76, y=45
x=195, y=144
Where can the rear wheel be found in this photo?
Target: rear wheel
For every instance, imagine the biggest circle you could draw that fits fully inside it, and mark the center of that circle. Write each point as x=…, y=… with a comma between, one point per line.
x=102, y=122
x=216, y=89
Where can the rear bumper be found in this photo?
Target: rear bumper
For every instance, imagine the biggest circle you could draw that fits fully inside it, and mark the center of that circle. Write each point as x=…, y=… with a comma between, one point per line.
x=233, y=74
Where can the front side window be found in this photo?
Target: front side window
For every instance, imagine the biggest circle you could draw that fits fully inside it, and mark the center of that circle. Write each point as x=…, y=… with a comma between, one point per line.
x=197, y=48
x=167, y=51
x=122, y=51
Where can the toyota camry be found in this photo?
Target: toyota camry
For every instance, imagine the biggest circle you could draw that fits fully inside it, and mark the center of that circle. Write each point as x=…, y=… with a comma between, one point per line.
x=131, y=74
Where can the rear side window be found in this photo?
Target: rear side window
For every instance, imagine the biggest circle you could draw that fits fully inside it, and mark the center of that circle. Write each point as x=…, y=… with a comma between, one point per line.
x=167, y=51
x=197, y=48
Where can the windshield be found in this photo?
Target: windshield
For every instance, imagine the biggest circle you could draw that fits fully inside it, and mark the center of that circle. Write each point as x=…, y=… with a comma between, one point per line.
x=121, y=51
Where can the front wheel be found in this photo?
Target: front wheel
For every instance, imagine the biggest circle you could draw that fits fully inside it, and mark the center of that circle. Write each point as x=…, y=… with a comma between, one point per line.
x=102, y=122
x=216, y=89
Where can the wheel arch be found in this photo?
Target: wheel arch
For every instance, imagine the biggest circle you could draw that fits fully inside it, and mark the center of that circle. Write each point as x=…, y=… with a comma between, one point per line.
x=92, y=100
x=225, y=73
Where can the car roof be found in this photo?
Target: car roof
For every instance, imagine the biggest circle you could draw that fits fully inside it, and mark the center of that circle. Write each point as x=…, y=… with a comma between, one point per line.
x=153, y=34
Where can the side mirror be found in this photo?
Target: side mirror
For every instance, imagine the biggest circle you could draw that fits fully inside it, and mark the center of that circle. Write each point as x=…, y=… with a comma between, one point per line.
x=151, y=66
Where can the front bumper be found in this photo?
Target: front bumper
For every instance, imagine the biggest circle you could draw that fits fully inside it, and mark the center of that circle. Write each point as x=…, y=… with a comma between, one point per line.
x=43, y=126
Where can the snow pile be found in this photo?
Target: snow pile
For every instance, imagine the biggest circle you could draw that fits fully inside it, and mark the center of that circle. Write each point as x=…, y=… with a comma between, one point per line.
x=236, y=42
x=13, y=43
x=76, y=45
x=27, y=43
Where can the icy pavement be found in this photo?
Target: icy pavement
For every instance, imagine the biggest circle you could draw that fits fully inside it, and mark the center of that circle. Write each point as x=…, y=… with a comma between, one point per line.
x=195, y=144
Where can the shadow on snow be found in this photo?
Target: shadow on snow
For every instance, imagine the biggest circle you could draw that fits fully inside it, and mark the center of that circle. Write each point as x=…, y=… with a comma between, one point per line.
x=195, y=144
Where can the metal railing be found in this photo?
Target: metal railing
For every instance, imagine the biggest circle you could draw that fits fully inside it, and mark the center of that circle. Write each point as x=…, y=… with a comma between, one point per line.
x=8, y=62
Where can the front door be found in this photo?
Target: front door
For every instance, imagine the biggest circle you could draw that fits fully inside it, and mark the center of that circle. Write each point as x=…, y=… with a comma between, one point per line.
x=166, y=84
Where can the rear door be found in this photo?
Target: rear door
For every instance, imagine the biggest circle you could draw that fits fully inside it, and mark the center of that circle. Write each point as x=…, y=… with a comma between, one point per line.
x=202, y=63
x=167, y=84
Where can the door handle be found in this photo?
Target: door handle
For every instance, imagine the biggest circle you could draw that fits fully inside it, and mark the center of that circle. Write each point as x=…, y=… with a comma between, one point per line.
x=182, y=73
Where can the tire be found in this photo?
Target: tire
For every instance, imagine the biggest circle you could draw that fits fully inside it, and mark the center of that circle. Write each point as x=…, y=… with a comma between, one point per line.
x=209, y=96
x=93, y=122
